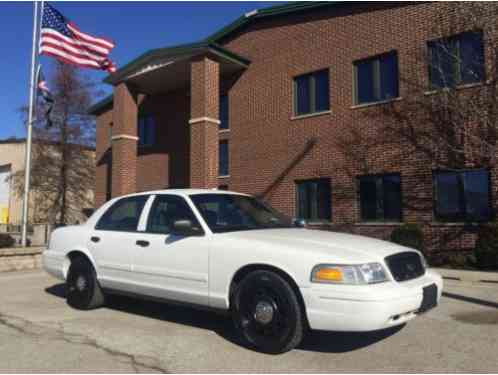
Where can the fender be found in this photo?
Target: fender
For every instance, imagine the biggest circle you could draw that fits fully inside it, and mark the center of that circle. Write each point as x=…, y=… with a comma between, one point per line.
x=279, y=267
x=85, y=252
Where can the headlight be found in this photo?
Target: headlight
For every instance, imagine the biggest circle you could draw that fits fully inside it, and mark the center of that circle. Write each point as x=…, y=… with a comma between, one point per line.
x=368, y=273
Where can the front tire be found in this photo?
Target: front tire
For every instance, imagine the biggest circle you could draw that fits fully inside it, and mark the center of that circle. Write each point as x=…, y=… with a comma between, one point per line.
x=83, y=290
x=267, y=313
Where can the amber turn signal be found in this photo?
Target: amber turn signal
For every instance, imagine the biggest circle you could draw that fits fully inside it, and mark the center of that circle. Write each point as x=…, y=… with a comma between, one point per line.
x=328, y=274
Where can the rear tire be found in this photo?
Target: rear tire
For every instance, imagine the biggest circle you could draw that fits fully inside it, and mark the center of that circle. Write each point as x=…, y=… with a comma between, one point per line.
x=83, y=291
x=267, y=313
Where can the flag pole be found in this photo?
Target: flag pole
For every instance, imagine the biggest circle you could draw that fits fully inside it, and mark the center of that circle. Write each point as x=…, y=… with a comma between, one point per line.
x=27, y=156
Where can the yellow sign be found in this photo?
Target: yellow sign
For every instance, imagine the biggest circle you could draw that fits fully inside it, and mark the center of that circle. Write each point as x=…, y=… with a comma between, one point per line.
x=4, y=215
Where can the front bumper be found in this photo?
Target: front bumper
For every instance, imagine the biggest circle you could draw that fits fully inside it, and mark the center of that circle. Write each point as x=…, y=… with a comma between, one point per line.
x=366, y=307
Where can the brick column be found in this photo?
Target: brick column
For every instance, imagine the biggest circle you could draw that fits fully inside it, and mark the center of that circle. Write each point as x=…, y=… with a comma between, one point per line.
x=204, y=122
x=124, y=141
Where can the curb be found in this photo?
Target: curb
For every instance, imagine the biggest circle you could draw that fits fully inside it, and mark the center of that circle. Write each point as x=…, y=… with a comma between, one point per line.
x=468, y=276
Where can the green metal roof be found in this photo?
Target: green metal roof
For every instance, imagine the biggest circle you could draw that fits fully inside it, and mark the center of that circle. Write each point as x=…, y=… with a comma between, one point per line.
x=277, y=10
x=211, y=42
x=174, y=51
x=100, y=105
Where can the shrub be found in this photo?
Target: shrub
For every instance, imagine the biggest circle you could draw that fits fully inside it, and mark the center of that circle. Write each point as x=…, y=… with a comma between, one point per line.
x=409, y=235
x=6, y=240
x=486, y=248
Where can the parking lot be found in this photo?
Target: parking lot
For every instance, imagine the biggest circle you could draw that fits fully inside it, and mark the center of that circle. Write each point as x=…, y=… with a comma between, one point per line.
x=39, y=332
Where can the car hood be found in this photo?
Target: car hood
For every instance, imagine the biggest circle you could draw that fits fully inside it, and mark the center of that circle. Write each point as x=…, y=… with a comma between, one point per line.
x=333, y=245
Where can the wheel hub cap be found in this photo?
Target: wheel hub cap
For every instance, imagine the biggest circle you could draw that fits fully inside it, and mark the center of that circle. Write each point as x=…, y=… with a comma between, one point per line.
x=80, y=283
x=263, y=313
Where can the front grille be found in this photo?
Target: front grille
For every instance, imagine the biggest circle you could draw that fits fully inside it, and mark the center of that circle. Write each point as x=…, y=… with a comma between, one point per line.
x=405, y=266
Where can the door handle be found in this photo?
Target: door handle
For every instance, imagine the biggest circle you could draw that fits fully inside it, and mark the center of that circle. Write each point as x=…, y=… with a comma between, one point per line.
x=142, y=243
x=95, y=239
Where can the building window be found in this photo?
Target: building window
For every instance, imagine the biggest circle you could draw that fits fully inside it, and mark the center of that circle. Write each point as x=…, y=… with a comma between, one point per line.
x=376, y=78
x=462, y=195
x=314, y=200
x=224, y=112
x=380, y=197
x=223, y=187
x=311, y=93
x=223, y=159
x=146, y=131
x=456, y=60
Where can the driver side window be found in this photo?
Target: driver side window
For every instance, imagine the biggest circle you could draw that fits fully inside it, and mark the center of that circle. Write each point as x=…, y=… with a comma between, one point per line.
x=167, y=209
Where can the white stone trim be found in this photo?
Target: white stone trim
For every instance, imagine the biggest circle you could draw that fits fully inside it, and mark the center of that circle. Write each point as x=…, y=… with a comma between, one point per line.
x=202, y=119
x=150, y=67
x=124, y=136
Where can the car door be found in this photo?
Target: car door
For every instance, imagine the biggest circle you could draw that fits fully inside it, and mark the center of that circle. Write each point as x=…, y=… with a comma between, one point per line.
x=170, y=266
x=113, y=241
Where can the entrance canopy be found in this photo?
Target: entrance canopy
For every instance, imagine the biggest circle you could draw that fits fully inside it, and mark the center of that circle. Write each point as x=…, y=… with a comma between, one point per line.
x=167, y=69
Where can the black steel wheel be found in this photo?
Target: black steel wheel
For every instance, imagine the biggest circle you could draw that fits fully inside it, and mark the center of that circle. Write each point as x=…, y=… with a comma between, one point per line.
x=83, y=291
x=267, y=313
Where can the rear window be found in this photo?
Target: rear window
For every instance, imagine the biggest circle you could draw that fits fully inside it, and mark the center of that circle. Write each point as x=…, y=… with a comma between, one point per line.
x=123, y=215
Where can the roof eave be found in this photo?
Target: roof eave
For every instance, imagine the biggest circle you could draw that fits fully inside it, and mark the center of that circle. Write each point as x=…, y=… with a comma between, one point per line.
x=192, y=48
x=101, y=105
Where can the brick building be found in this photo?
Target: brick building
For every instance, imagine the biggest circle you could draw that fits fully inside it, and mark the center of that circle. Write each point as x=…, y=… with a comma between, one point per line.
x=257, y=106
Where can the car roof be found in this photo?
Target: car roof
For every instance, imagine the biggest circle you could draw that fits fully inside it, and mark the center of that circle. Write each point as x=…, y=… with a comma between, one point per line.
x=184, y=192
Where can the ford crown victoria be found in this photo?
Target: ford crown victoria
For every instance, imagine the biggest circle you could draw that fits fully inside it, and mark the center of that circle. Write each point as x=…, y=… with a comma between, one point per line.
x=231, y=252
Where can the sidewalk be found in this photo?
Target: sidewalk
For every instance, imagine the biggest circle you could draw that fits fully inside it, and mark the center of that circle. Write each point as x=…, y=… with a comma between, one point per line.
x=468, y=276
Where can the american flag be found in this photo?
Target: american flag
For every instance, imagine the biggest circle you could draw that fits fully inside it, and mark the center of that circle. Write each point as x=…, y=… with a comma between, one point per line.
x=47, y=96
x=62, y=40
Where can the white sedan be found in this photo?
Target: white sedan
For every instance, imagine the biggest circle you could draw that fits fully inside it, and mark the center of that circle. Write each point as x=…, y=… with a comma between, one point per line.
x=231, y=252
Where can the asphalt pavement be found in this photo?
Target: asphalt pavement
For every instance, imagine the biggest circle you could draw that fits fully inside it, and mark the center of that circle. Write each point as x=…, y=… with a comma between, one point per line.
x=40, y=333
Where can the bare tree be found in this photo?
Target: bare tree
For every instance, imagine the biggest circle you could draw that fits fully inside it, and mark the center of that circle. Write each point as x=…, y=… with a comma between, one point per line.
x=447, y=114
x=63, y=165
x=449, y=110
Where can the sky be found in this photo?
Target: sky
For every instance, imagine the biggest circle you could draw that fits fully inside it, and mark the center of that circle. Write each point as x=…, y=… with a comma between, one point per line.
x=135, y=27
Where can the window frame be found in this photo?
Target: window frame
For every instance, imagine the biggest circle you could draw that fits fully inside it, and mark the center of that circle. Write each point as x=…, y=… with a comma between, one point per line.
x=327, y=180
x=150, y=210
x=312, y=93
x=462, y=217
x=146, y=197
x=376, y=78
x=109, y=133
x=362, y=219
x=457, y=66
x=224, y=141
x=220, y=114
x=150, y=133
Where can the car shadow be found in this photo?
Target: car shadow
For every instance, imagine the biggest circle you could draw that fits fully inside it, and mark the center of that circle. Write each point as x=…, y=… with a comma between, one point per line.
x=316, y=341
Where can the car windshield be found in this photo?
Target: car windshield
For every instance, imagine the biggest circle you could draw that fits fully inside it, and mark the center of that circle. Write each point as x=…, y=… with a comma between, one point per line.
x=231, y=212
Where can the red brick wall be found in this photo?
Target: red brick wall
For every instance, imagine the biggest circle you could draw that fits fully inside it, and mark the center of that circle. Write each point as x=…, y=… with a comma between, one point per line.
x=166, y=164
x=124, y=146
x=205, y=92
x=265, y=139
x=103, y=157
x=268, y=148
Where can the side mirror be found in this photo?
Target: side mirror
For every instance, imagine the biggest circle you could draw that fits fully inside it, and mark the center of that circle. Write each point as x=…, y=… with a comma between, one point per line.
x=185, y=228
